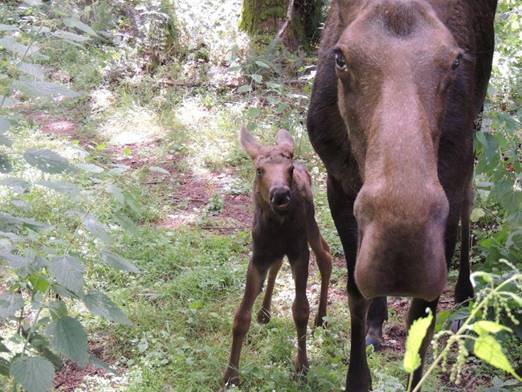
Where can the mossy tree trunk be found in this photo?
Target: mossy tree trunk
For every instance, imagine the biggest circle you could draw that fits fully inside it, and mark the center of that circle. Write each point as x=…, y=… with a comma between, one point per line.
x=295, y=22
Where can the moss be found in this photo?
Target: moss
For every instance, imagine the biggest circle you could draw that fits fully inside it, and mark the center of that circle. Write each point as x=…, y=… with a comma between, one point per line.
x=265, y=16
x=255, y=22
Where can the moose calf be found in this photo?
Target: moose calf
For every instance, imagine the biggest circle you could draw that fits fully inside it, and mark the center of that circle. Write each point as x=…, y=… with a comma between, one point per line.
x=284, y=224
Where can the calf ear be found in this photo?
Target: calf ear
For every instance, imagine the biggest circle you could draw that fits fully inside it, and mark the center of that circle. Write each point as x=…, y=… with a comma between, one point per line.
x=250, y=143
x=284, y=140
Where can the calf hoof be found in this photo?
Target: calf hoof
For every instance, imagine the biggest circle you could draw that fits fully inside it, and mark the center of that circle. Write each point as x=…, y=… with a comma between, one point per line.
x=230, y=379
x=375, y=342
x=263, y=317
x=320, y=321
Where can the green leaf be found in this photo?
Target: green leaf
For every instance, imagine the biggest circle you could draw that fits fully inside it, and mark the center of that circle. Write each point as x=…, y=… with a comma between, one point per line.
x=43, y=89
x=15, y=261
x=5, y=124
x=100, y=364
x=39, y=282
x=117, y=261
x=257, y=78
x=244, y=89
x=91, y=168
x=5, y=163
x=485, y=276
x=262, y=64
x=35, y=374
x=5, y=141
x=5, y=27
x=41, y=344
x=4, y=367
x=8, y=102
x=17, y=184
x=416, y=334
x=476, y=214
x=159, y=170
x=78, y=24
x=10, y=220
x=71, y=36
x=10, y=303
x=47, y=161
x=33, y=3
x=69, y=338
x=98, y=303
x=68, y=271
x=34, y=70
x=3, y=348
x=64, y=187
x=96, y=228
x=116, y=192
x=484, y=327
x=10, y=44
x=489, y=350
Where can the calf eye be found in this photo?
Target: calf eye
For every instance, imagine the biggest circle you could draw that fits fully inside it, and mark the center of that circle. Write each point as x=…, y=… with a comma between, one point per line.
x=456, y=62
x=340, y=60
x=259, y=171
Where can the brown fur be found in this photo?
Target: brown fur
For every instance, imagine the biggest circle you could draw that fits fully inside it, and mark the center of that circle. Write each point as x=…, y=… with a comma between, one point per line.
x=393, y=124
x=284, y=225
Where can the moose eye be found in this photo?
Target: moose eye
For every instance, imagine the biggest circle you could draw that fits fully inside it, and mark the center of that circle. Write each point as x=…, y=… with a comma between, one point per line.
x=456, y=62
x=340, y=60
x=259, y=171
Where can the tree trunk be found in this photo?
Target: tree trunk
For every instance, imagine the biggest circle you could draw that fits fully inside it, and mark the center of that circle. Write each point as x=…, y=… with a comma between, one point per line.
x=295, y=22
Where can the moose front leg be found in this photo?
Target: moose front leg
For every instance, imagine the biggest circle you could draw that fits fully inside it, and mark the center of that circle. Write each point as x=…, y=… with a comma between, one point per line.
x=255, y=278
x=263, y=317
x=301, y=308
x=358, y=378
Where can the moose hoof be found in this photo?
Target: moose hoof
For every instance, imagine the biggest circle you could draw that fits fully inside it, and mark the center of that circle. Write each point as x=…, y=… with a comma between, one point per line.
x=263, y=317
x=230, y=378
x=375, y=342
x=301, y=367
x=456, y=324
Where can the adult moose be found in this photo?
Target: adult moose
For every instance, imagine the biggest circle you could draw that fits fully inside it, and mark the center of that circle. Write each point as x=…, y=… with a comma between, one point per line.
x=399, y=86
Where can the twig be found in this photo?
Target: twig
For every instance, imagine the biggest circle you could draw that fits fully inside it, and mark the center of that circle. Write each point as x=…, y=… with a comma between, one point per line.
x=289, y=18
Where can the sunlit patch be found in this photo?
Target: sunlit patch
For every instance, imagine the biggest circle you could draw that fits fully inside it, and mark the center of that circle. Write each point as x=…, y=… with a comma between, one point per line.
x=101, y=100
x=132, y=125
x=211, y=135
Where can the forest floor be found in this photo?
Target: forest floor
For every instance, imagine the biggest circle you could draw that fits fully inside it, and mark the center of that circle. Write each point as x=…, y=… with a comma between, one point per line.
x=173, y=140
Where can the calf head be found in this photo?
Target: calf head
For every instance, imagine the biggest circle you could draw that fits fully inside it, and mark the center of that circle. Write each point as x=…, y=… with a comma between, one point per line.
x=395, y=62
x=274, y=170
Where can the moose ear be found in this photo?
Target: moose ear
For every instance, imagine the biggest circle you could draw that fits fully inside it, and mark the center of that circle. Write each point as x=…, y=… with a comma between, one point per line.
x=284, y=140
x=250, y=143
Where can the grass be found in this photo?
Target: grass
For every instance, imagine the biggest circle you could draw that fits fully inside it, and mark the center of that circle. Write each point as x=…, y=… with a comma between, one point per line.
x=182, y=303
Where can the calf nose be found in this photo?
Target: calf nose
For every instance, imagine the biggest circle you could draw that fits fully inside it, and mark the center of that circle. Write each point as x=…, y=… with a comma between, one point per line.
x=279, y=196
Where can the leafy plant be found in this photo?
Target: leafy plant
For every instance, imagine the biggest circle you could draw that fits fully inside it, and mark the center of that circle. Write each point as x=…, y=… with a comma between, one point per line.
x=499, y=297
x=45, y=261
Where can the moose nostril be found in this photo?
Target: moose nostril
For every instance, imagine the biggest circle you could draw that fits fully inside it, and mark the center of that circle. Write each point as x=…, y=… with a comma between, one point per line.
x=280, y=197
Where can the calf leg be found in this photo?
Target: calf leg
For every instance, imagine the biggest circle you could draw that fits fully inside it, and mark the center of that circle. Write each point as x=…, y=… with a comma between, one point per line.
x=263, y=316
x=300, y=310
x=324, y=262
x=417, y=310
x=377, y=313
x=255, y=278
